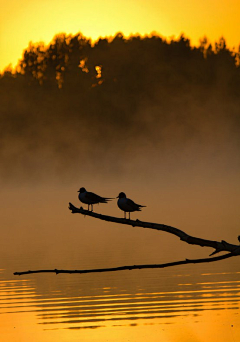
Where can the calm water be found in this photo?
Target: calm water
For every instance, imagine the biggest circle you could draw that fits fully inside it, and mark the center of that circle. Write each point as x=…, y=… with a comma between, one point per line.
x=187, y=303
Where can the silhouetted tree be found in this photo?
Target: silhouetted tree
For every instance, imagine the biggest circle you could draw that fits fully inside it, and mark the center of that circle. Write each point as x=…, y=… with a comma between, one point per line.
x=127, y=87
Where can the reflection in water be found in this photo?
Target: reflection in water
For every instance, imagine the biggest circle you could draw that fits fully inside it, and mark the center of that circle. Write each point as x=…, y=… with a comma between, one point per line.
x=81, y=306
x=193, y=304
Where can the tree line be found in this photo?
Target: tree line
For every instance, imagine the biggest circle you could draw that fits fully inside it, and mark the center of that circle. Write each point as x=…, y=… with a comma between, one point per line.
x=141, y=87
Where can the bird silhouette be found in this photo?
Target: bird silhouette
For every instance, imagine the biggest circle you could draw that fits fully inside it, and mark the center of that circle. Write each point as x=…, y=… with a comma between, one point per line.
x=90, y=198
x=127, y=205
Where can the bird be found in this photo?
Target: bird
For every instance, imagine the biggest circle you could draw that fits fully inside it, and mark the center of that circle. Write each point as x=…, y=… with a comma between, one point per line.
x=127, y=205
x=90, y=198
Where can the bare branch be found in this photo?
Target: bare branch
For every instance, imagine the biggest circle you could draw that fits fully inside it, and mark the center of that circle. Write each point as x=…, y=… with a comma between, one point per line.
x=133, y=267
x=218, y=246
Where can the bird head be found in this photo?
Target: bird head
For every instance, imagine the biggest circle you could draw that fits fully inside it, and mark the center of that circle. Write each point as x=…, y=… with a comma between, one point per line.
x=81, y=190
x=122, y=195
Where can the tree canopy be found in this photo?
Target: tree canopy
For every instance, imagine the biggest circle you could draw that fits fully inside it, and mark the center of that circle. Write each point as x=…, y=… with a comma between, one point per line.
x=127, y=87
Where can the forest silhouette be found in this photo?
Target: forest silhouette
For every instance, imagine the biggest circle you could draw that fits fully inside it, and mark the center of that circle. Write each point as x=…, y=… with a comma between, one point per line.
x=74, y=100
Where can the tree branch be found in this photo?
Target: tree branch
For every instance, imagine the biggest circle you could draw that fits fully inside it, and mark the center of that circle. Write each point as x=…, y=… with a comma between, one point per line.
x=218, y=246
x=133, y=267
x=233, y=250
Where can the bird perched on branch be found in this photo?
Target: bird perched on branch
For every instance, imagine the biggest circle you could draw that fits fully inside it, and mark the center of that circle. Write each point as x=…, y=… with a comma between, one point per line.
x=90, y=198
x=127, y=205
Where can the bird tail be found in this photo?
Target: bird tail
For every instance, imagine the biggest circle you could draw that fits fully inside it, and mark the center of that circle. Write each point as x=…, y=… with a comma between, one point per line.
x=140, y=207
x=106, y=200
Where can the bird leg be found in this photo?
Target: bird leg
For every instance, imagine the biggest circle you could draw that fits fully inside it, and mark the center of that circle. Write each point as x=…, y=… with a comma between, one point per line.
x=129, y=215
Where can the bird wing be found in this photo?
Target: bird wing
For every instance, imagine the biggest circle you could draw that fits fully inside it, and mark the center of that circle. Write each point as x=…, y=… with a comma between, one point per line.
x=93, y=197
x=96, y=198
x=130, y=203
x=133, y=204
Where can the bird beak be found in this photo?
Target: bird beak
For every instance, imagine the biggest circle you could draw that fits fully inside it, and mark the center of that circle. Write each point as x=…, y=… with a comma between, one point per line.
x=78, y=191
x=117, y=197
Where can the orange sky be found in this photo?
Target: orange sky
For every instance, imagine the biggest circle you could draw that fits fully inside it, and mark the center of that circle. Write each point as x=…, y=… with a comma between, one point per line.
x=35, y=20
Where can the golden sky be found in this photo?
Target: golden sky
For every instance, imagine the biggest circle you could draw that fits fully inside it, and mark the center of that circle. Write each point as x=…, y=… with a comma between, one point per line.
x=22, y=21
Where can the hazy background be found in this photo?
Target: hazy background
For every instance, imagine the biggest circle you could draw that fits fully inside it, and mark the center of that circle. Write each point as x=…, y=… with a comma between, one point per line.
x=158, y=120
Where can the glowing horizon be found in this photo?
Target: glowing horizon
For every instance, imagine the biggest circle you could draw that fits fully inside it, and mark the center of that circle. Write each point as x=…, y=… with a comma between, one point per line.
x=22, y=22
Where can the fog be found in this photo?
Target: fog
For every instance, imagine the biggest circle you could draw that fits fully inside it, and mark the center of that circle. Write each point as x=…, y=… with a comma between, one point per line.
x=161, y=123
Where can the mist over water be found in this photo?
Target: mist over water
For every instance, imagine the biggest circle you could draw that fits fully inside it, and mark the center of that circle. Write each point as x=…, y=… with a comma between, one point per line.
x=161, y=123
x=164, y=128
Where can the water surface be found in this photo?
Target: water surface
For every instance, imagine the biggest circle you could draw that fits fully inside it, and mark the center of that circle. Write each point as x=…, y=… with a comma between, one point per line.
x=184, y=303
